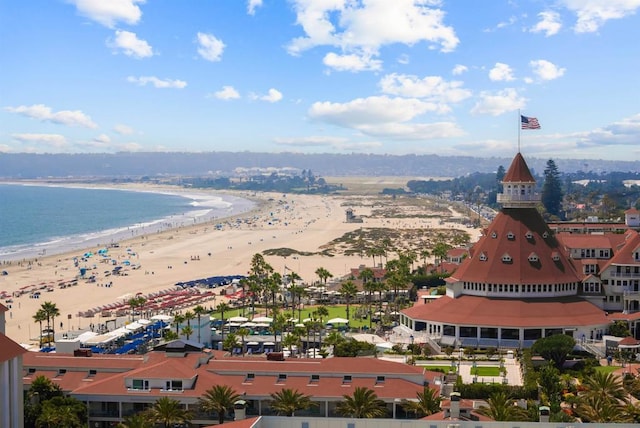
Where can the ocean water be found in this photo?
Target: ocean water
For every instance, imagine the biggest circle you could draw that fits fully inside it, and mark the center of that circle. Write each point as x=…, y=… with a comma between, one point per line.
x=39, y=220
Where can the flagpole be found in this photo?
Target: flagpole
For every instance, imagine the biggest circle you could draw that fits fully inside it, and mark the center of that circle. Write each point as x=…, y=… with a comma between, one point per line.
x=519, y=128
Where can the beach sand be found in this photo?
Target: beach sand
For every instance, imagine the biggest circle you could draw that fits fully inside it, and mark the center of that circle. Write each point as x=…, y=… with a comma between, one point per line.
x=301, y=222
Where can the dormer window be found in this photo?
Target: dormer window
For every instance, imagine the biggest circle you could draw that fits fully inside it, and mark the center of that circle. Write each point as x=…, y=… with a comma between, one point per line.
x=483, y=257
x=506, y=258
x=528, y=235
x=533, y=257
x=545, y=235
x=511, y=236
x=494, y=235
x=555, y=256
x=173, y=385
x=140, y=384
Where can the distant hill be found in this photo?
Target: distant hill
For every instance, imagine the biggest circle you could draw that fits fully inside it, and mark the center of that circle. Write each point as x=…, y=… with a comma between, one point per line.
x=152, y=165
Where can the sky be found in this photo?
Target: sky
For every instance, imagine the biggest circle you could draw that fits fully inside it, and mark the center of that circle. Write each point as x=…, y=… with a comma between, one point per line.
x=446, y=77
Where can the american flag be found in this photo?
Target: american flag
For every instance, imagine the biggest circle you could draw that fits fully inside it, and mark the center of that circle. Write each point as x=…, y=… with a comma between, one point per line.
x=529, y=122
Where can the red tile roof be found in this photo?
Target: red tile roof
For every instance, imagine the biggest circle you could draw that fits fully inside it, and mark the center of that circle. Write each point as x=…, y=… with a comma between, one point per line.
x=483, y=311
x=9, y=349
x=3, y=308
x=518, y=172
x=624, y=256
x=244, y=423
x=496, y=243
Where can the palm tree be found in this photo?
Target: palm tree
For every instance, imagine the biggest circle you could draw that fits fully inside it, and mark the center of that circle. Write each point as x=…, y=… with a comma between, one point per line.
x=52, y=312
x=364, y=403
x=348, y=291
x=322, y=312
x=222, y=308
x=242, y=332
x=287, y=401
x=187, y=331
x=177, y=320
x=188, y=316
x=219, y=399
x=134, y=303
x=601, y=384
x=601, y=409
x=323, y=274
x=39, y=317
x=502, y=408
x=428, y=403
x=137, y=420
x=199, y=311
x=168, y=411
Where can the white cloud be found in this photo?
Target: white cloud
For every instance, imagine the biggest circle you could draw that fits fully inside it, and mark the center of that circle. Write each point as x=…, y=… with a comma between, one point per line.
x=158, y=83
x=123, y=129
x=501, y=72
x=252, y=5
x=546, y=70
x=625, y=133
x=48, y=140
x=367, y=26
x=459, y=69
x=209, y=47
x=351, y=62
x=384, y=117
x=63, y=117
x=110, y=12
x=273, y=96
x=403, y=59
x=432, y=88
x=549, y=23
x=498, y=103
x=592, y=14
x=227, y=93
x=130, y=44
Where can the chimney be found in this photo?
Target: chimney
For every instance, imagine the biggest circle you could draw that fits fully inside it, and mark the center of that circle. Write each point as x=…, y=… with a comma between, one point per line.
x=454, y=409
x=544, y=413
x=239, y=410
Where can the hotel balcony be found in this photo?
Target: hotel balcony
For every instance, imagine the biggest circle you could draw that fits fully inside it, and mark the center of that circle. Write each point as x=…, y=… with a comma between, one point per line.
x=515, y=200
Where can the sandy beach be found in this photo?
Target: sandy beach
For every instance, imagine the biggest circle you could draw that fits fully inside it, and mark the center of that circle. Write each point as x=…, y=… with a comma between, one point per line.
x=305, y=223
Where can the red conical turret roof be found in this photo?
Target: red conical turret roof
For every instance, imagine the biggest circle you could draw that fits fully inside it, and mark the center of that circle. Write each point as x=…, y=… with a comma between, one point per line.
x=518, y=172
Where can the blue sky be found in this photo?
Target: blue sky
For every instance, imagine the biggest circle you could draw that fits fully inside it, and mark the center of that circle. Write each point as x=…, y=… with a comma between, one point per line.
x=321, y=76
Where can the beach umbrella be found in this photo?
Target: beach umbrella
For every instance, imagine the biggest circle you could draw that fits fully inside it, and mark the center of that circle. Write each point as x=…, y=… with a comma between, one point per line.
x=238, y=319
x=262, y=319
x=337, y=321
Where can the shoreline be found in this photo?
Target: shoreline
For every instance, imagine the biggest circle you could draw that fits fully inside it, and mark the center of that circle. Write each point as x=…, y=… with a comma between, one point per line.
x=207, y=206
x=302, y=223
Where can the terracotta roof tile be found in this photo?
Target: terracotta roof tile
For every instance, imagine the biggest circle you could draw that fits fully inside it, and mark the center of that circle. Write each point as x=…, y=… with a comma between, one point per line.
x=518, y=172
x=507, y=235
x=484, y=311
x=9, y=349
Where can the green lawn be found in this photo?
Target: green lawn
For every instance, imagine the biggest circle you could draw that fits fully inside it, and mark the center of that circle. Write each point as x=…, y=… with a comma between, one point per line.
x=336, y=311
x=490, y=371
x=607, y=369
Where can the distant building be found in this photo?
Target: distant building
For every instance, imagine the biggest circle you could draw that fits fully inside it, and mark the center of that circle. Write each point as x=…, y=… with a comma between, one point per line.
x=11, y=397
x=351, y=217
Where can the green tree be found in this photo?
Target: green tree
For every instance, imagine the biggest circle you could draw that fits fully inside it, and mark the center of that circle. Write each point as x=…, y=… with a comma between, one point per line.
x=219, y=399
x=554, y=348
x=187, y=331
x=501, y=408
x=41, y=390
x=288, y=401
x=364, y=403
x=199, y=311
x=619, y=328
x=427, y=403
x=602, y=384
x=62, y=412
x=348, y=291
x=52, y=311
x=549, y=381
x=222, y=308
x=137, y=420
x=552, y=190
x=168, y=411
x=39, y=317
x=323, y=274
x=177, y=320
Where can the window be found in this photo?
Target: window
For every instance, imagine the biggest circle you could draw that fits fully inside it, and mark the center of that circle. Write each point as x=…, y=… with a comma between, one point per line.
x=494, y=235
x=250, y=377
x=92, y=372
x=483, y=257
x=346, y=379
x=511, y=236
x=545, y=235
x=555, y=256
x=61, y=372
x=529, y=235
x=281, y=378
x=31, y=370
x=173, y=385
x=533, y=257
x=315, y=378
x=379, y=380
x=506, y=258
x=140, y=384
